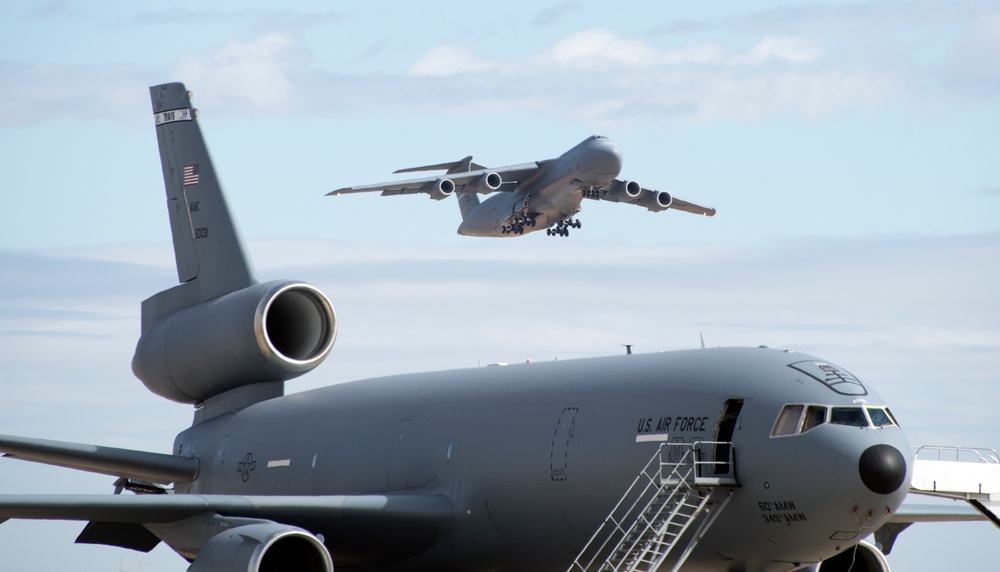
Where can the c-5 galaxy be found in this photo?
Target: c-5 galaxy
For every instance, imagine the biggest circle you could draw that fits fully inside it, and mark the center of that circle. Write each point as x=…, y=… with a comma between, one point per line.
x=532, y=196
x=708, y=459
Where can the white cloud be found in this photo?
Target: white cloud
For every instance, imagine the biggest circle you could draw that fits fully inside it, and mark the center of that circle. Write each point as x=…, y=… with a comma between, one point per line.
x=449, y=59
x=788, y=50
x=783, y=61
x=255, y=72
x=600, y=48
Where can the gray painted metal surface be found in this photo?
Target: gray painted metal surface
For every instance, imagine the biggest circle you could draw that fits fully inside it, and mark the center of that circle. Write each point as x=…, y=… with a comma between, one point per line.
x=497, y=468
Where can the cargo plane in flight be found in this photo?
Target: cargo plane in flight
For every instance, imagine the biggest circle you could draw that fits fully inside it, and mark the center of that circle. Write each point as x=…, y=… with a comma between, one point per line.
x=532, y=196
x=721, y=459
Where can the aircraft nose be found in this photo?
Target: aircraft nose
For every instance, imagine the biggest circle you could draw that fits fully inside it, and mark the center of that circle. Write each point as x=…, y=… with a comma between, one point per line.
x=882, y=468
x=604, y=157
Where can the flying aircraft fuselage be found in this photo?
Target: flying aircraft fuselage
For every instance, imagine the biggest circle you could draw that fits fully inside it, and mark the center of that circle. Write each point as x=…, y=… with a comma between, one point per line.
x=532, y=457
x=554, y=194
x=532, y=196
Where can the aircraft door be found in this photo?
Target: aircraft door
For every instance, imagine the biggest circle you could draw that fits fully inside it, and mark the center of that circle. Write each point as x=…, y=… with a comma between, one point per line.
x=397, y=454
x=724, y=436
x=561, y=438
x=411, y=457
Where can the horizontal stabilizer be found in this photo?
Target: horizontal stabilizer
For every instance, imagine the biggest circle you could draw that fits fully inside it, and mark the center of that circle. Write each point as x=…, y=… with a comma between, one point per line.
x=153, y=467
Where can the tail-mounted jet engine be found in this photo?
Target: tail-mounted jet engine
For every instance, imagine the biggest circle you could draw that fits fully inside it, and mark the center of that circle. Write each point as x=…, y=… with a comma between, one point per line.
x=657, y=201
x=273, y=331
x=263, y=546
x=441, y=189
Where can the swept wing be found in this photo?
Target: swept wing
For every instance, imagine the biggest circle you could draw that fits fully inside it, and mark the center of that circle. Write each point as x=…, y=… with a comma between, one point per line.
x=333, y=510
x=469, y=181
x=621, y=191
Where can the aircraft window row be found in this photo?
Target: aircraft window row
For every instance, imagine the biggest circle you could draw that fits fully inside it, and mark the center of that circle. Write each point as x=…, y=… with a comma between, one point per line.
x=798, y=418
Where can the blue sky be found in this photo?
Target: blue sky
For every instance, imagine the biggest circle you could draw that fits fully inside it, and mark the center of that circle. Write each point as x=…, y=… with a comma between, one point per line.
x=850, y=149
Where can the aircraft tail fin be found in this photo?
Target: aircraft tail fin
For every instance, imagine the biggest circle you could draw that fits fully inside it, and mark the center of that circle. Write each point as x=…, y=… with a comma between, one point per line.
x=219, y=339
x=461, y=166
x=208, y=247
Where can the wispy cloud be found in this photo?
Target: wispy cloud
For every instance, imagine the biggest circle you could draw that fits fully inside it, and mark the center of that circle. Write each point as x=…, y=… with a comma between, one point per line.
x=810, y=61
x=254, y=72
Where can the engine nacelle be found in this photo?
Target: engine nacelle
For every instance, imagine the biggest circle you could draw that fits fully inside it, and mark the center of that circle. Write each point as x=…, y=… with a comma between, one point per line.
x=489, y=182
x=265, y=546
x=631, y=189
x=657, y=201
x=267, y=332
x=440, y=189
x=628, y=191
x=866, y=558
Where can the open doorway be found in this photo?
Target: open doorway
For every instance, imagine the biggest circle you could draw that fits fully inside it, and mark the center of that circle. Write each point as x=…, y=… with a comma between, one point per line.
x=724, y=436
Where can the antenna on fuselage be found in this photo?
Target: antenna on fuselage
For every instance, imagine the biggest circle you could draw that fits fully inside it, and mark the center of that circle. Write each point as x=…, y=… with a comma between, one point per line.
x=628, y=348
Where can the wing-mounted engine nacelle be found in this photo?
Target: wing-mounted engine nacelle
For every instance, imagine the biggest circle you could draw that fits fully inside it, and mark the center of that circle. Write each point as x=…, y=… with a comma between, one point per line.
x=273, y=331
x=440, y=189
x=489, y=182
x=866, y=557
x=627, y=192
x=263, y=546
x=656, y=201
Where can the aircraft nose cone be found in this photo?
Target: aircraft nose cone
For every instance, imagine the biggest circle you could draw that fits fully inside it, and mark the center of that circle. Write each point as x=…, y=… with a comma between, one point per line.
x=604, y=157
x=882, y=469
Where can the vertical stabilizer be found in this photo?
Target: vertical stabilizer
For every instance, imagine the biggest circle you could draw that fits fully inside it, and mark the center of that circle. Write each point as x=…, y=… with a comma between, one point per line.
x=208, y=247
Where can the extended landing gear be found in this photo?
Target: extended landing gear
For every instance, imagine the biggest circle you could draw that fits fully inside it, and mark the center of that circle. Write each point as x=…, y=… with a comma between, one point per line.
x=518, y=224
x=563, y=226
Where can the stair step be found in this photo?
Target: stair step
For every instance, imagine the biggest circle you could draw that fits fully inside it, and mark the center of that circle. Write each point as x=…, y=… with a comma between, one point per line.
x=659, y=508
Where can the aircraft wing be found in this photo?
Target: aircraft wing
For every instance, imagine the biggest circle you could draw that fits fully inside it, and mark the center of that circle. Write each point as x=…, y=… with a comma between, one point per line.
x=362, y=530
x=474, y=181
x=631, y=192
x=689, y=207
x=402, y=510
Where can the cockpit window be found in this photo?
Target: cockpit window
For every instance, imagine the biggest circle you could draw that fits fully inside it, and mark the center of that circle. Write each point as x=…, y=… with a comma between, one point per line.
x=853, y=416
x=815, y=416
x=880, y=417
x=796, y=418
x=788, y=420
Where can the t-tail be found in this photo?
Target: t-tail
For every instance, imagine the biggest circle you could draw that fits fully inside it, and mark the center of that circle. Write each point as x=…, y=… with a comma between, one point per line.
x=219, y=339
x=468, y=200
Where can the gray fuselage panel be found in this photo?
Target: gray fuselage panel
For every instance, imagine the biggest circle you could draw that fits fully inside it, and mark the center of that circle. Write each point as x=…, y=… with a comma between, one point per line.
x=534, y=456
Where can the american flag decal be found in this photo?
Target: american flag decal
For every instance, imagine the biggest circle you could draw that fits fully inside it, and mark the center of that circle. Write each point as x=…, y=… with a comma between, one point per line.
x=190, y=175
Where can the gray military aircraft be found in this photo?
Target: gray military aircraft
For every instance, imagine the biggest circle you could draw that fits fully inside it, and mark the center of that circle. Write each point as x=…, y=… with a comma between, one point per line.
x=711, y=459
x=533, y=196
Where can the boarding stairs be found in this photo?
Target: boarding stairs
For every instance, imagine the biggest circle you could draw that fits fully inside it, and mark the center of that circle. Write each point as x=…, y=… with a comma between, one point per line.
x=670, y=505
